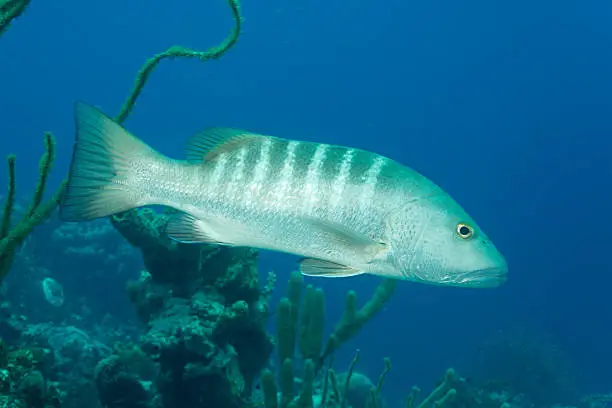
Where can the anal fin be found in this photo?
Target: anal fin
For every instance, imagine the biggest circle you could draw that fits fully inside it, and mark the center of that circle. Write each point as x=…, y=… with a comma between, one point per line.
x=321, y=268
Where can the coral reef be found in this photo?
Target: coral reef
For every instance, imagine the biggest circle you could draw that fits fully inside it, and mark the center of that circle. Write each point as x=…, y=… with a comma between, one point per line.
x=302, y=321
x=529, y=363
x=124, y=378
x=354, y=319
x=95, y=247
x=117, y=386
x=87, y=260
x=443, y=396
x=357, y=390
x=205, y=315
x=72, y=355
x=23, y=379
x=204, y=341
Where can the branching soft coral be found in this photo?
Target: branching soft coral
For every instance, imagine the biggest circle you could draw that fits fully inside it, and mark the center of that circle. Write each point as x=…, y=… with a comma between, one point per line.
x=10, y=10
x=300, y=320
x=129, y=219
x=12, y=236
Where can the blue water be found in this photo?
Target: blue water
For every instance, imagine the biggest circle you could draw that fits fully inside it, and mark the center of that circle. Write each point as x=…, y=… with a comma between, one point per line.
x=506, y=105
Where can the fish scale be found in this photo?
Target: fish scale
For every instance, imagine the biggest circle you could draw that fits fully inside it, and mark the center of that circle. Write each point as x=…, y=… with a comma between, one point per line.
x=345, y=211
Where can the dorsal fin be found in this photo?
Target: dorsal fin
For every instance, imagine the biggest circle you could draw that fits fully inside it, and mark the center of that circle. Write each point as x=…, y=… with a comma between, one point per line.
x=211, y=142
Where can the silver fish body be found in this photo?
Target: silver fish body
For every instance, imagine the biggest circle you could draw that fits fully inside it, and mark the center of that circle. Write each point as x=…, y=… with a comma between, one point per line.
x=346, y=211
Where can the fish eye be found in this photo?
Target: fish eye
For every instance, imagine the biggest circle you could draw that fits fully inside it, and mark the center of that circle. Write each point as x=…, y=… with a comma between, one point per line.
x=465, y=231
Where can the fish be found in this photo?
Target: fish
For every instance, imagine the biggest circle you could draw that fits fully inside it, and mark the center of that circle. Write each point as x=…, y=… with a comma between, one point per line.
x=343, y=211
x=53, y=291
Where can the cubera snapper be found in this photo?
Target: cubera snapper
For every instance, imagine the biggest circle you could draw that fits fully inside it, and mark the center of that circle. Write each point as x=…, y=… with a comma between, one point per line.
x=343, y=210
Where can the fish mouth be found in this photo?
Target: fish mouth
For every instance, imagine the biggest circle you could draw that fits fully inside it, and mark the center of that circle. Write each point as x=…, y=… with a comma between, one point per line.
x=483, y=278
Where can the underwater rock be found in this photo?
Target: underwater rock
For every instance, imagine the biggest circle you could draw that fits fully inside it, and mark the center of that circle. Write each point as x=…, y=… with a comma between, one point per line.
x=70, y=356
x=148, y=298
x=33, y=389
x=193, y=367
x=24, y=381
x=118, y=385
x=209, y=347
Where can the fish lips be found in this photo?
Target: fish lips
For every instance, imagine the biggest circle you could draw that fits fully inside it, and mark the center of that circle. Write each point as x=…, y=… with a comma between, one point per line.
x=483, y=278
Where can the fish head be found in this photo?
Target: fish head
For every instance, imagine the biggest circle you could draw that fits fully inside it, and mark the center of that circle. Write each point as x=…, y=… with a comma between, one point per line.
x=433, y=240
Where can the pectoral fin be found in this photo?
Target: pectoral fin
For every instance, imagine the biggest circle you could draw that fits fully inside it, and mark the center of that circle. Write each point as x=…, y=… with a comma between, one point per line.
x=361, y=246
x=321, y=268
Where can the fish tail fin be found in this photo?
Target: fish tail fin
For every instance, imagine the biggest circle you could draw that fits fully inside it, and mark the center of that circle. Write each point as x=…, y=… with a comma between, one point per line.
x=103, y=178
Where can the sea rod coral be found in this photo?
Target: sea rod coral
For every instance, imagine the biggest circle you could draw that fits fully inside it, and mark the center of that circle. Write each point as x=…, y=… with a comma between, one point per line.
x=132, y=217
x=300, y=320
x=10, y=10
x=12, y=236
